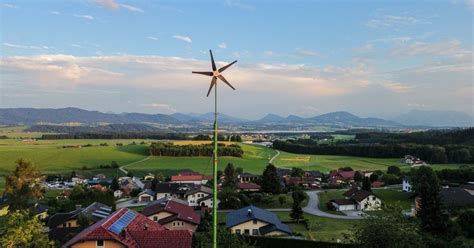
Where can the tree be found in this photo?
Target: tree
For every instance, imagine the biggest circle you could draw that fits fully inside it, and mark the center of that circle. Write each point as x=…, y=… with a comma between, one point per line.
x=231, y=179
x=224, y=238
x=297, y=172
x=374, y=177
x=229, y=198
x=296, y=211
x=394, y=170
x=366, y=184
x=358, y=176
x=390, y=179
x=426, y=184
x=347, y=168
x=270, y=180
x=73, y=174
x=114, y=164
x=23, y=188
x=282, y=200
x=387, y=228
x=21, y=230
x=466, y=223
x=239, y=170
x=83, y=221
x=114, y=185
x=129, y=174
x=160, y=177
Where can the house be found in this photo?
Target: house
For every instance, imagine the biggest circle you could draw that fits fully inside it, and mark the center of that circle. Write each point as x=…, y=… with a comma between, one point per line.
x=172, y=214
x=413, y=161
x=468, y=187
x=62, y=225
x=128, y=185
x=317, y=175
x=305, y=182
x=247, y=178
x=377, y=184
x=248, y=187
x=283, y=172
x=197, y=195
x=406, y=184
x=456, y=197
x=40, y=211
x=127, y=228
x=255, y=221
x=340, y=176
x=190, y=177
x=357, y=199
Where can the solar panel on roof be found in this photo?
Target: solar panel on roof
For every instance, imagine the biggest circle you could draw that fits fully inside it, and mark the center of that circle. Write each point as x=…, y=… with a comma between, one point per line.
x=105, y=209
x=99, y=215
x=122, y=222
x=102, y=212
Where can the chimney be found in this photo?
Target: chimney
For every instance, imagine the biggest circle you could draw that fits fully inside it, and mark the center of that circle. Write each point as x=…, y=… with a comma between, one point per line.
x=145, y=227
x=249, y=212
x=78, y=206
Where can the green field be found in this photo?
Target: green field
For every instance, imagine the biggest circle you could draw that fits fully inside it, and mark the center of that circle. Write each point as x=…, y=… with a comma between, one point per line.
x=50, y=156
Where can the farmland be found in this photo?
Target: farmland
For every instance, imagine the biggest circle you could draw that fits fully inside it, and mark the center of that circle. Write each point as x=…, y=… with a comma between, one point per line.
x=63, y=156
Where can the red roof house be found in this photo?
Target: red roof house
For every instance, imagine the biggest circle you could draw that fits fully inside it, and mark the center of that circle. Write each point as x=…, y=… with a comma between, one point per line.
x=190, y=177
x=127, y=228
x=172, y=214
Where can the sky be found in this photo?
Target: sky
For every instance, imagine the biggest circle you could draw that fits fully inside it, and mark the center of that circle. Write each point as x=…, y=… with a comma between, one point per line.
x=371, y=58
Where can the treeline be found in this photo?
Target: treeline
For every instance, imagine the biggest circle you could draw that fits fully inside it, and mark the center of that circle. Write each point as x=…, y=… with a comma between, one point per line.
x=220, y=137
x=432, y=137
x=169, y=149
x=166, y=136
x=429, y=153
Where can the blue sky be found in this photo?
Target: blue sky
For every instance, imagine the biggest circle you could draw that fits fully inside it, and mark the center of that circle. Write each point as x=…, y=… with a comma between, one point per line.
x=373, y=58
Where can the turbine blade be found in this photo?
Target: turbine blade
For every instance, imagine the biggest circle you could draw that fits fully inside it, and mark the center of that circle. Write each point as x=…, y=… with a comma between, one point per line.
x=225, y=81
x=227, y=66
x=213, y=82
x=207, y=73
x=213, y=63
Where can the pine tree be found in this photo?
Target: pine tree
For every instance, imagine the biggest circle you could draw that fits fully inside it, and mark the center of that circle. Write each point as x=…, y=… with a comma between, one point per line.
x=270, y=180
x=114, y=185
x=366, y=184
x=231, y=179
x=23, y=188
x=296, y=210
x=426, y=184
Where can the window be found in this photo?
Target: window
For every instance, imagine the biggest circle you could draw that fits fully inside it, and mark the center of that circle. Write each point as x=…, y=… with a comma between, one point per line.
x=100, y=243
x=155, y=218
x=174, y=224
x=64, y=224
x=255, y=221
x=246, y=231
x=237, y=231
x=254, y=231
x=69, y=224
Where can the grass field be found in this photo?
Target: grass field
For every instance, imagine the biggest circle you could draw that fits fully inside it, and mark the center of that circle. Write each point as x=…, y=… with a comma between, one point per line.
x=50, y=156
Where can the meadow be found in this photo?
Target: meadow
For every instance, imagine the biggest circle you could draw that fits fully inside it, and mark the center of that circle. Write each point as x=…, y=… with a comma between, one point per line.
x=63, y=156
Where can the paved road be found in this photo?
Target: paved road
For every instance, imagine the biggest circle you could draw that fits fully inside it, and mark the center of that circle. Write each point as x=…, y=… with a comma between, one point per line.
x=276, y=155
x=122, y=168
x=313, y=208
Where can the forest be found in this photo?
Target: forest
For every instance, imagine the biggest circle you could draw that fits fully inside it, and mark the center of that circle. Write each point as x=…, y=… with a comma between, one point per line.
x=169, y=149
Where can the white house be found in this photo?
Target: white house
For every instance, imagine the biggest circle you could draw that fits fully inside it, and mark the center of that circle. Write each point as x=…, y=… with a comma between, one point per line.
x=118, y=193
x=407, y=187
x=146, y=196
x=357, y=199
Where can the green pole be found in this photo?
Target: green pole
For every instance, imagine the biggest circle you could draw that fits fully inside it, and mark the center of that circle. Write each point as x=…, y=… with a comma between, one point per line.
x=214, y=172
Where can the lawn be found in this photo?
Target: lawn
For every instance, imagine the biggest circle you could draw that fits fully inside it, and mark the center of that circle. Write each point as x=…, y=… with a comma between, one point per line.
x=326, y=163
x=254, y=160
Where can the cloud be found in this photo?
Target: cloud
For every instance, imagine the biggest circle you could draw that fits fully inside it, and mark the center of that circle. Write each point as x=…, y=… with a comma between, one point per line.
x=8, y=5
x=152, y=38
x=114, y=5
x=183, y=38
x=87, y=17
x=391, y=21
x=401, y=39
x=76, y=46
x=470, y=3
x=110, y=4
x=452, y=48
x=161, y=107
x=132, y=8
x=55, y=12
x=305, y=53
x=222, y=45
x=240, y=5
x=25, y=46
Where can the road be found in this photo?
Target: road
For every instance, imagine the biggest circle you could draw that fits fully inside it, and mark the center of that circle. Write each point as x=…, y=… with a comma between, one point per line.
x=122, y=168
x=276, y=155
x=313, y=208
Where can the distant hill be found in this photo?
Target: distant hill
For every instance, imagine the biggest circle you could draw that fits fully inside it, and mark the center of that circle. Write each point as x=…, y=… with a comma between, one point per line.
x=435, y=119
x=32, y=116
x=112, y=128
x=340, y=119
x=271, y=118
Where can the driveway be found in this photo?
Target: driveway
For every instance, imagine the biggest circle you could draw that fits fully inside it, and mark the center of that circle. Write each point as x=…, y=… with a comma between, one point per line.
x=313, y=208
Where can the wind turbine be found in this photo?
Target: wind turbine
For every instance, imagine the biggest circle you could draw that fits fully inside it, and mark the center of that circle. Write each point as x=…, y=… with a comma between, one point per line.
x=215, y=74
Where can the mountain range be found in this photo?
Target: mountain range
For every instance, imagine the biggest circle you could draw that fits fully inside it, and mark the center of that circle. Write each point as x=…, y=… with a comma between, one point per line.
x=340, y=119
